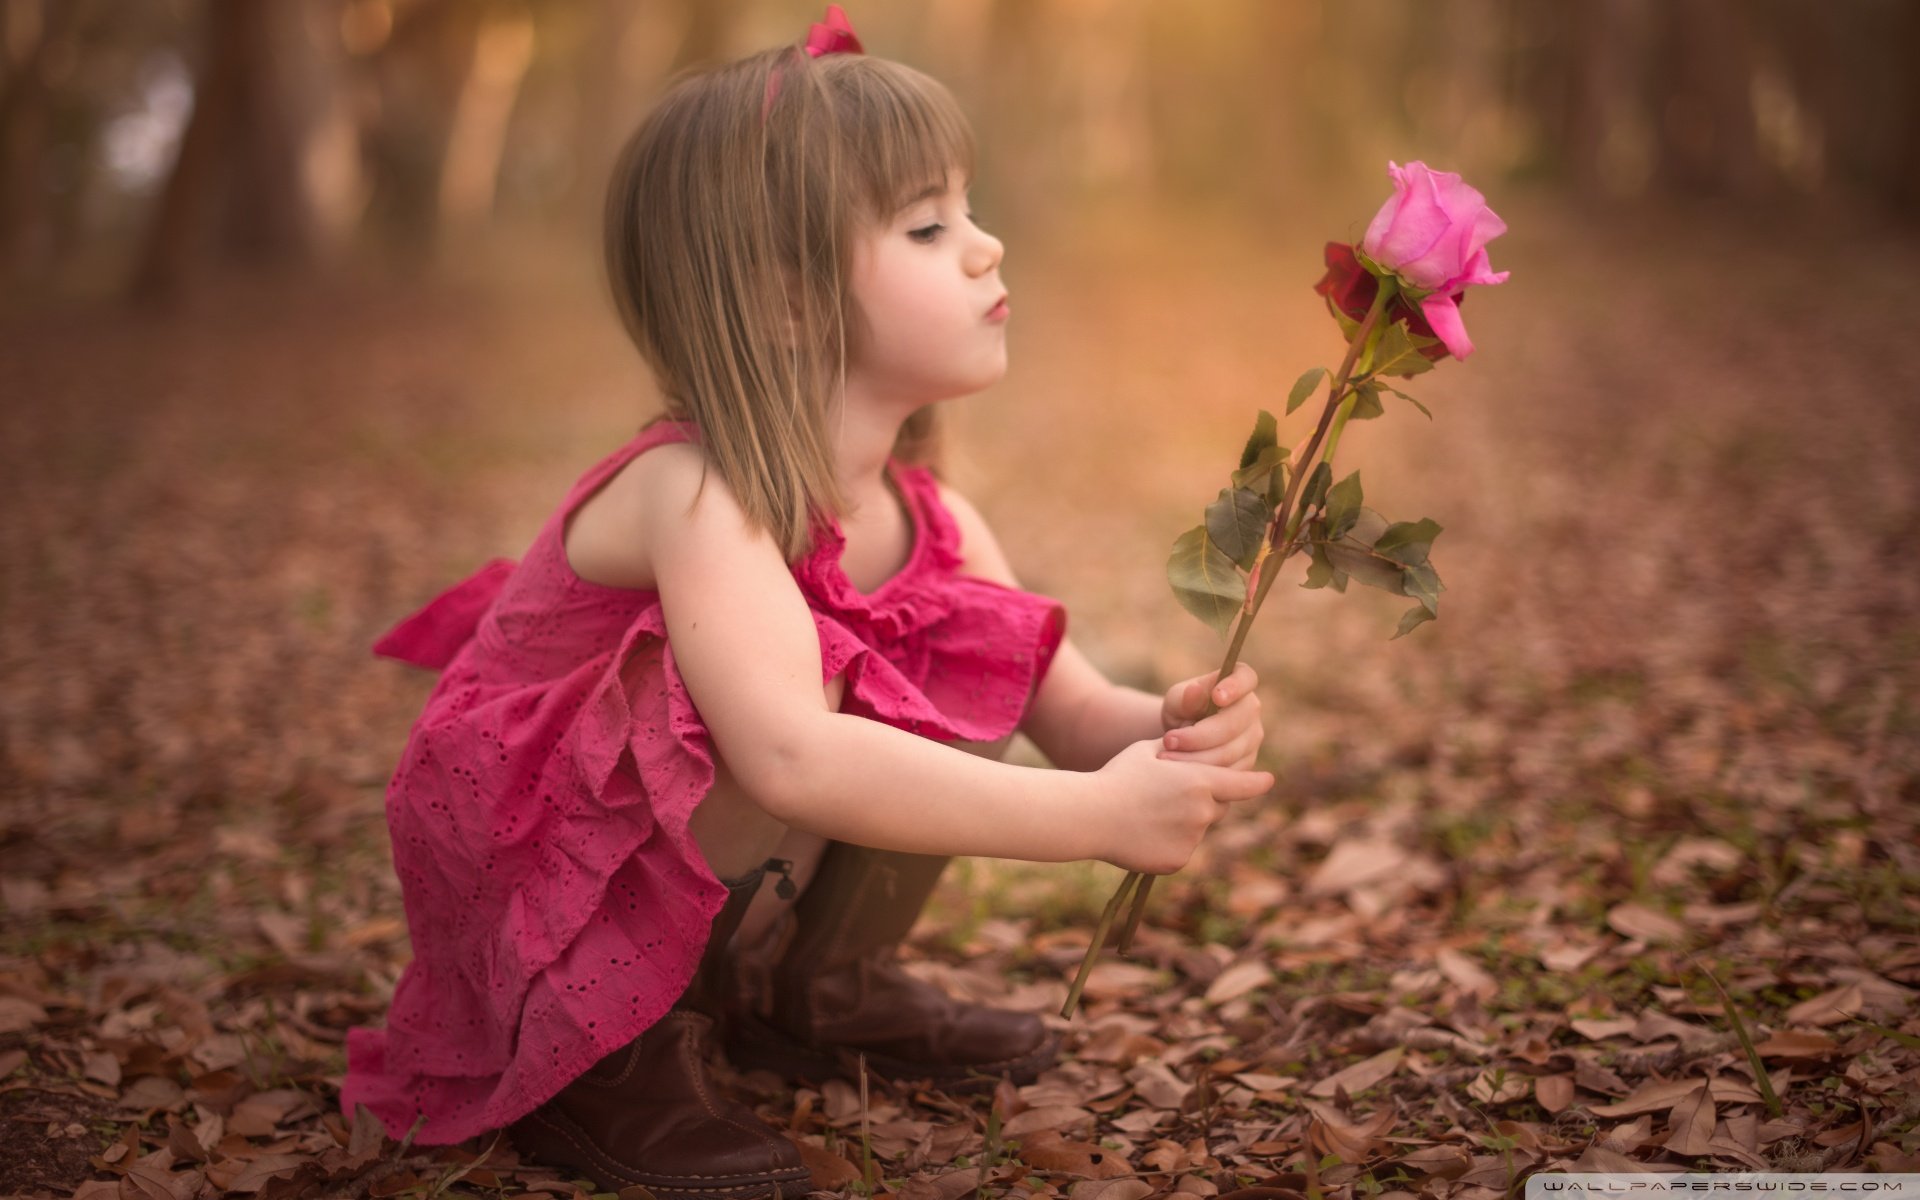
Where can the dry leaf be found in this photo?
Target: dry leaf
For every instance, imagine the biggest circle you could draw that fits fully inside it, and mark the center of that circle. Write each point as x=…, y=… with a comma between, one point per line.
x=1111, y=1189
x=1661, y=1095
x=1465, y=973
x=1829, y=1008
x=1554, y=1092
x=948, y=1186
x=18, y=1016
x=1693, y=1122
x=1797, y=1043
x=1158, y=1085
x=1354, y=863
x=1638, y=921
x=1361, y=1075
x=1049, y=1152
x=1052, y=1116
x=1239, y=979
x=829, y=1171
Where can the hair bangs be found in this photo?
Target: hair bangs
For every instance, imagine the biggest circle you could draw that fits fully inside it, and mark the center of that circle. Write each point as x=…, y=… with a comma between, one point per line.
x=903, y=130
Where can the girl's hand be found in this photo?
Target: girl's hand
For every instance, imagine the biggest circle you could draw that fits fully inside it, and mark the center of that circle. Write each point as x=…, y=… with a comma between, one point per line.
x=1154, y=811
x=1228, y=738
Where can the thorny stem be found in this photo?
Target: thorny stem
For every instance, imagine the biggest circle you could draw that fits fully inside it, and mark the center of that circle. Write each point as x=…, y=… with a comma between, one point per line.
x=1280, y=534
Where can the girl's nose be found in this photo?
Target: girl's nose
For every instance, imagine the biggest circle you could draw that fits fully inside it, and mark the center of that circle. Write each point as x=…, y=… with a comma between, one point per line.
x=985, y=253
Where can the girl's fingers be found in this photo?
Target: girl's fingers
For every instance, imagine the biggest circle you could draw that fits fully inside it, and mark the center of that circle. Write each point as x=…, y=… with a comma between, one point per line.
x=1240, y=751
x=1216, y=730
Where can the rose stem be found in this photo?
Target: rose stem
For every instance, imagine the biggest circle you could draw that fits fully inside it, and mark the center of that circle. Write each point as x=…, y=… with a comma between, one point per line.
x=1142, y=884
x=1099, y=936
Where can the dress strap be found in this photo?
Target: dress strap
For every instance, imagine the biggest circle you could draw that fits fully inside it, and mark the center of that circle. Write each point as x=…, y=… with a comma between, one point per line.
x=660, y=429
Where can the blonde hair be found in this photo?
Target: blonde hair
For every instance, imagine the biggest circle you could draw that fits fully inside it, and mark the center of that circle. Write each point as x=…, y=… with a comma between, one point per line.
x=728, y=246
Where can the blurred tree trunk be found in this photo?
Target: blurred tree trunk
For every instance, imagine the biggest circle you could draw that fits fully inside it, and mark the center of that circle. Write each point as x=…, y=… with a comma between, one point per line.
x=469, y=177
x=237, y=185
x=1906, y=174
x=31, y=33
x=420, y=74
x=1701, y=79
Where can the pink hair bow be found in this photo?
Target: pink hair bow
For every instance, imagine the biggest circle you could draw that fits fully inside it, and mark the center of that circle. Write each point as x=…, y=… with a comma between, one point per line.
x=834, y=35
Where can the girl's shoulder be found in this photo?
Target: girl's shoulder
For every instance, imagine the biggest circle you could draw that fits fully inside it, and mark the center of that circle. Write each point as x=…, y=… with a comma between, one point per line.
x=603, y=533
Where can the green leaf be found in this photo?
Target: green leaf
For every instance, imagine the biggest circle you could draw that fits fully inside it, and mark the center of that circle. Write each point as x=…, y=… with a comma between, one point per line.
x=1237, y=524
x=1409, y=399
x=1354, y=554
x=1343, y=505
x=1423, y=583
x=1265, y=434
x=1205, y=581
x=1397, y=355
x=1254, y=474
x=1316, y=487
x=1348, y=326
x=1277, y=482
x=1320, y=571
x=1409, y=541
x=1303, y=387
x=1366, y=402
x=1409, y=620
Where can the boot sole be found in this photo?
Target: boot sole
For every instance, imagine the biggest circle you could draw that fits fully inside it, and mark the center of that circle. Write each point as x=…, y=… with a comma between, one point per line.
x=753, y=1044
x=554, y=1140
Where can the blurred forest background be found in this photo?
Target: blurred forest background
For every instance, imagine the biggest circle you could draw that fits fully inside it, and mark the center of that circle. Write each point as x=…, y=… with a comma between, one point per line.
x=146, y=145
x=301, y=320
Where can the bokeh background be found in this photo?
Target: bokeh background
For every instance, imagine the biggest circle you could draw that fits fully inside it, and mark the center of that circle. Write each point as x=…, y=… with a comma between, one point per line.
x=301, y=320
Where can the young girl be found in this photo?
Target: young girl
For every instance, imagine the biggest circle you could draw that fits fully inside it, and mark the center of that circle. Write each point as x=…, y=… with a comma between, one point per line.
x=762, y=636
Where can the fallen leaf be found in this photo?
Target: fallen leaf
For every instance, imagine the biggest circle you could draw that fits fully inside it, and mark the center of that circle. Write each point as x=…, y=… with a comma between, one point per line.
x=1049, y=1152
x=1237, y=980
x=1508, y=1087
x=1158, y=1085
x=1554, y=1092
x=1111, y=1189
x=1638, y=921
x=1361, y=1075
x=1693, y=1123
x=18, y=1016
x=1051, y=1116
x=252, y=1174
x=1354, y=863
x=949, y=1186
x=1599, y=1030
x=1466, y=974
x=1797, y=1043
x=1661, y=1095
x=1829, y=1008
x=829, y=1171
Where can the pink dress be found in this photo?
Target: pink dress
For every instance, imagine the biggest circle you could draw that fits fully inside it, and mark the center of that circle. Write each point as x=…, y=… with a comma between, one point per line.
x=557, y=904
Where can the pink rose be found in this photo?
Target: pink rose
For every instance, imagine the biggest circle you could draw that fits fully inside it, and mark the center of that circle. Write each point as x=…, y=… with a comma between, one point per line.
x=1433, y=234
x=1351, y=288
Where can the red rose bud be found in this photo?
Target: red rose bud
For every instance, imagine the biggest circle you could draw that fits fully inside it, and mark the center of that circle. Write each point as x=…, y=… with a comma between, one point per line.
x=1350, y=289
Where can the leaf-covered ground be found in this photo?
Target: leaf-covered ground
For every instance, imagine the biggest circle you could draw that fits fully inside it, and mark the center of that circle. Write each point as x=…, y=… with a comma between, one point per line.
x=1660, y=743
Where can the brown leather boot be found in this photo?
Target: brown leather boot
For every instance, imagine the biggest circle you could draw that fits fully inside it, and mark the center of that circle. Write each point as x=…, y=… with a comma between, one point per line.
x=827, y=985
x=647, y=1114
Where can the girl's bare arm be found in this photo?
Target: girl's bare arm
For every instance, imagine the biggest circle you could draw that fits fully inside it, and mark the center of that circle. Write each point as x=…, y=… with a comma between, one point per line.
x=1079, y=718
x=744, y=641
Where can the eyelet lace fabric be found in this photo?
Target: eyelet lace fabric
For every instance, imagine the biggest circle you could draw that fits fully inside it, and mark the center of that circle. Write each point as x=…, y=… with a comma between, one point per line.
x=556, y=901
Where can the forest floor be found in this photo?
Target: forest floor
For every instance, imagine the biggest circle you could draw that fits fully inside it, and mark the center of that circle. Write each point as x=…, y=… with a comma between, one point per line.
x=1649, y=782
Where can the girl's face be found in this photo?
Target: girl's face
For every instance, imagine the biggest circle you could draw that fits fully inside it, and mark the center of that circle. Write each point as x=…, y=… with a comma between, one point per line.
x=927, y=284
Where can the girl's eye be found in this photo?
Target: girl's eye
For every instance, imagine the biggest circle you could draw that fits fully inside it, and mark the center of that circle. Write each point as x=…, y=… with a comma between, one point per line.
x=928, y=233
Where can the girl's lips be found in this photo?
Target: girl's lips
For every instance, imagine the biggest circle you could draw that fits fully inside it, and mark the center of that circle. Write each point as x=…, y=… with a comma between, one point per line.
x=999, y=311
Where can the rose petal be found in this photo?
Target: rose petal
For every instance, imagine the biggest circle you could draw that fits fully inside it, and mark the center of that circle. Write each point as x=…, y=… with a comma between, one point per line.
x=1444, y=316
x=1408, y=225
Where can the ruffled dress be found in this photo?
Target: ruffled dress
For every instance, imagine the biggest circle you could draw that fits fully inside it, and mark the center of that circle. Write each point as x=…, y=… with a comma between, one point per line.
x=556, y=902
